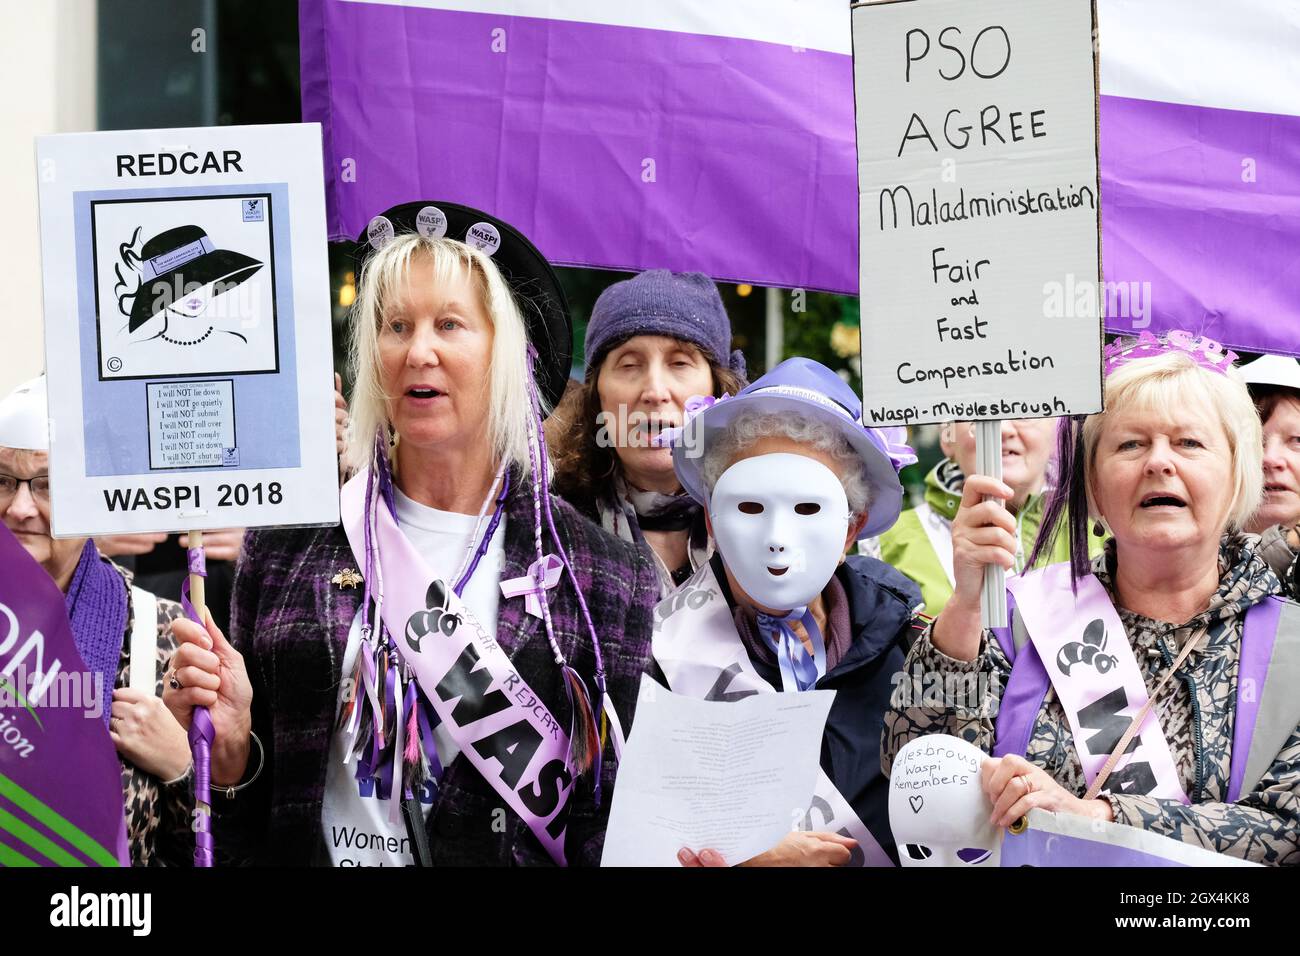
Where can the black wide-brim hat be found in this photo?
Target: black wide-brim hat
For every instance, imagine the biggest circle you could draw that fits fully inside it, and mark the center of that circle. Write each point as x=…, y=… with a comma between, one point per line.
x=532, y=279
x=199, y=263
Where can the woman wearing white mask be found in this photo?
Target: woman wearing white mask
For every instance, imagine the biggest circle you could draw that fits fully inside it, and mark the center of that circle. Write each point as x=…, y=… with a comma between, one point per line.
x=790, y=478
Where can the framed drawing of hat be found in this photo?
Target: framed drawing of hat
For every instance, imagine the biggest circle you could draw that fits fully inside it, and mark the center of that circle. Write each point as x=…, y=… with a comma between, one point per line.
x=185, y=286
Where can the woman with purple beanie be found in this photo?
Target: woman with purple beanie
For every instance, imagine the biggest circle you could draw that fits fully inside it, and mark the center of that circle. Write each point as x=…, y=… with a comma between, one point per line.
x=654, y=343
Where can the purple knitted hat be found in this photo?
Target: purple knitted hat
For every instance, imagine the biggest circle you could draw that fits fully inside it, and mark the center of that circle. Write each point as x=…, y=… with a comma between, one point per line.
x=684, y=306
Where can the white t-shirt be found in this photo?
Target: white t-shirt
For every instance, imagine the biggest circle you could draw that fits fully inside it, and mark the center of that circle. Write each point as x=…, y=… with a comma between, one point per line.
x=355, y=819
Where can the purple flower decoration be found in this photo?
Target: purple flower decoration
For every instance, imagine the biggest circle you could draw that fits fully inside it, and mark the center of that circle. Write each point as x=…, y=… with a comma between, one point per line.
x=894, y=441
x=694, y=405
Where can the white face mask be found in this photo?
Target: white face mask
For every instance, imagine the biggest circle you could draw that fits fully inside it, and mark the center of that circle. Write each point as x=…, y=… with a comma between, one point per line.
x=780, y=522
x=937, y=809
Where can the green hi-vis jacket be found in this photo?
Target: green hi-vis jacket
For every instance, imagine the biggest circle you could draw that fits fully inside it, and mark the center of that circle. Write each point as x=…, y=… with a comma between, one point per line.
x=920, y=543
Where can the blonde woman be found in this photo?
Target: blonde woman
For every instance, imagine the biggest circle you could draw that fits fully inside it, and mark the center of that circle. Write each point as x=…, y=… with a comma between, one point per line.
x=442, y=679
x=1178, y=613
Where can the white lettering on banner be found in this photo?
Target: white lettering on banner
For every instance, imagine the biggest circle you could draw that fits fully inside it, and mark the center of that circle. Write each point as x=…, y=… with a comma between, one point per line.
x=998, y=96
x=32, y=648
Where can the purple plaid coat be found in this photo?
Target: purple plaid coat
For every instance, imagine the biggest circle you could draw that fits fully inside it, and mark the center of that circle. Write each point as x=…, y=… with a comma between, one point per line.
x=291, y=624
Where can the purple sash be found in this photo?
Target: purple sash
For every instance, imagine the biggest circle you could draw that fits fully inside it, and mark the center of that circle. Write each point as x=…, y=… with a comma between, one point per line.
x=1084, y=649
x=1257, y=638
x=1026, y=688
x=500, y=724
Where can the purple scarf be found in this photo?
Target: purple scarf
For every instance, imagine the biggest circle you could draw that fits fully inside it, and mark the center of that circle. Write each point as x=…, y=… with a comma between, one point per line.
x=97, y=609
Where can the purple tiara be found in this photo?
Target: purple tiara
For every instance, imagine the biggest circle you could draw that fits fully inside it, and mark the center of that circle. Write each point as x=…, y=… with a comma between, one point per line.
x=1206, y=352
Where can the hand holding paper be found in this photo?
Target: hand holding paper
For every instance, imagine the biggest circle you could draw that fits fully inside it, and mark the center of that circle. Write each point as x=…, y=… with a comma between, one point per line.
x=734, y=777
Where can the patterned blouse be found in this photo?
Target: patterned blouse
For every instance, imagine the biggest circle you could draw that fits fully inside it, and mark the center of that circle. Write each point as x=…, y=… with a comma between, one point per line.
x=1195, y=710
x=157, y=813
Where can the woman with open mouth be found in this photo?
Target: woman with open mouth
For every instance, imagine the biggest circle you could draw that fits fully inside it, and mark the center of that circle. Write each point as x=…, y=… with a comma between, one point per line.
x=443, y=678
x=1152, y=686
x=920, y=544
x=654, y=343
x=1274, y=382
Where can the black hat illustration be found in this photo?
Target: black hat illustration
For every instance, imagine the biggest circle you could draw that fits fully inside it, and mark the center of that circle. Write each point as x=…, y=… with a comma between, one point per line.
x=532, y=279
x=183, y=258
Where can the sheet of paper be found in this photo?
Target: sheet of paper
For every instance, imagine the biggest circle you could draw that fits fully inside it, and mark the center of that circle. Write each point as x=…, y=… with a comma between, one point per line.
x=733, y=776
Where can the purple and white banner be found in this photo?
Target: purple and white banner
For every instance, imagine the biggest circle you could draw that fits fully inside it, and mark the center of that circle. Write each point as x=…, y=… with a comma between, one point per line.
x=1200, y=161
x=720, y=136
x=60, y=780
x=1063, y=839
x=676, y=134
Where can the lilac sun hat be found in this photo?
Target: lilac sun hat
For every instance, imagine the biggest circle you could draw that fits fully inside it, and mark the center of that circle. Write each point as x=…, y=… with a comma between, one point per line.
x=802, y=386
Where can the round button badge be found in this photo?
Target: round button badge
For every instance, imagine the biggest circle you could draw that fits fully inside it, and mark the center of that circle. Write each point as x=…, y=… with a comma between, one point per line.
x=484, y=237
x=431, y=222
x=380, y=231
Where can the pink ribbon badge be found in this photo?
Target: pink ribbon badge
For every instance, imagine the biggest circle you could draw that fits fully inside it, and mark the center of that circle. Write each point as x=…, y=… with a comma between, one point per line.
x=543, y=574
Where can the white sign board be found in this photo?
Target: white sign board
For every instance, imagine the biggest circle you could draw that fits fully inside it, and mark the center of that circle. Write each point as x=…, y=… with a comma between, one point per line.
x=187, y=329
x=979, y=209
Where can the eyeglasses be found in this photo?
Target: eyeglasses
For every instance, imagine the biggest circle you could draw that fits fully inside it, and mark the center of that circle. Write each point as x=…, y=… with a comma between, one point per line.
x=38, y=486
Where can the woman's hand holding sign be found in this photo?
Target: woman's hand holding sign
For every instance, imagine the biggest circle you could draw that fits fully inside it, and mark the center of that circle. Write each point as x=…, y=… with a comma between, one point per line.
x=208, y=672
x=1015, y=786
x=983, y=533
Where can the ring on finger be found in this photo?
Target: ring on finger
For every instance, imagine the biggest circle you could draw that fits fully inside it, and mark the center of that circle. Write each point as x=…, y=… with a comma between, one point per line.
x=1029, y=786
x=174, y=682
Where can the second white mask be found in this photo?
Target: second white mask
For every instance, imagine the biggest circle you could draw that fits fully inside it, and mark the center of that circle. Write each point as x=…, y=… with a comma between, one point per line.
x=780, y=521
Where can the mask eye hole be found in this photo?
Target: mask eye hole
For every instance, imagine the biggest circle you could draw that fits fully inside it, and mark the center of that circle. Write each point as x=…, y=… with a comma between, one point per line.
x=973, y=855
x=915, y=851
x=807, y=508
x=750, y=507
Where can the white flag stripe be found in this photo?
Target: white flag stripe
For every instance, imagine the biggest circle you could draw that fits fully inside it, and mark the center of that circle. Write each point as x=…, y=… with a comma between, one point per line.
x=810, y=24
x=1237, y=55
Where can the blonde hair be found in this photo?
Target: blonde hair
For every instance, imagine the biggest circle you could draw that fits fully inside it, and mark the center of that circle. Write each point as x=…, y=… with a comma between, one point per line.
x=1153, y=386
x=385, y=272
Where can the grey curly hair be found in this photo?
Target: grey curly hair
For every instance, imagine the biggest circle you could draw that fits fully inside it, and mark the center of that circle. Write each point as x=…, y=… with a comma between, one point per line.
x=751, y=426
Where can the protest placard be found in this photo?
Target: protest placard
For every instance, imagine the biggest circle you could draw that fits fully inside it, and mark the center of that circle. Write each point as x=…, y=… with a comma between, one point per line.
x=187, y=327
x=979, y=209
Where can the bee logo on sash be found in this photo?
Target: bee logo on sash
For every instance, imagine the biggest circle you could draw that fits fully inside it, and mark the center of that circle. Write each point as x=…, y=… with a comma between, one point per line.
x=435, y=619
x=1088, y=651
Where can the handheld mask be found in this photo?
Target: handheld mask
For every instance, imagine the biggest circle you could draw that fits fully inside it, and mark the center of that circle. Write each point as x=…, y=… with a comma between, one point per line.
x=780, y=521
x=937, y=809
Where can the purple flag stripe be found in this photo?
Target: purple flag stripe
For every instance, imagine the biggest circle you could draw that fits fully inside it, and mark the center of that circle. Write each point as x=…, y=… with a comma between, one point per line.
x=752, y=143
x=1041, y=848
x=1204, y=204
